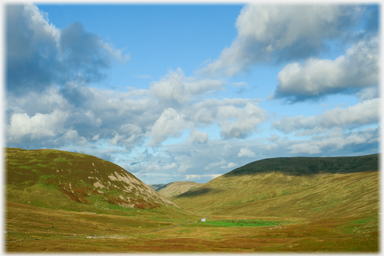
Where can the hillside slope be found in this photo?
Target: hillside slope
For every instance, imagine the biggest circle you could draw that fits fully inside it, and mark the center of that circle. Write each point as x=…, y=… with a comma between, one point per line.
x=176, y=188
x=310, y=165
x=65, y=180
x=156, y=187
x=295, y=187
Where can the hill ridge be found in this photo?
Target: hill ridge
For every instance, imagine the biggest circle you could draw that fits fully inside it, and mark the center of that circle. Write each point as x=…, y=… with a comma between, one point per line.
x=270, y=187
x=310, y=165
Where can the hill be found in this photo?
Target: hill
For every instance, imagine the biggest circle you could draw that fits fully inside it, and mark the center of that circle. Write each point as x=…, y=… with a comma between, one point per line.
x=295, y=187
x=309, y=165
x=68, y=202
x=156, y=187
x=176, y=188
x=73, y=181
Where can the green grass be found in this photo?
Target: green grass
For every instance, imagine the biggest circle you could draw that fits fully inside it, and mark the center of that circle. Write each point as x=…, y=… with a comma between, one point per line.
x=236, y=223
x=365, y=221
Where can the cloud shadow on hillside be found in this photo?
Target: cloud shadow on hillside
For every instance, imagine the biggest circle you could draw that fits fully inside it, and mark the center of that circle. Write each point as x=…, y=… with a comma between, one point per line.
x=198, y=192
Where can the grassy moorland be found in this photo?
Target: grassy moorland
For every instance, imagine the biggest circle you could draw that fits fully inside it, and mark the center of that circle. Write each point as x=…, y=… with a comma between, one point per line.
x=269, y=187
x=73, y=181
x=176, y=188
x=52, y=206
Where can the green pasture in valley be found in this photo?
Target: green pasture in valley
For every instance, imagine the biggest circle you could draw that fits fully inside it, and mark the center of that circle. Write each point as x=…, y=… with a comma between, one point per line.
x=237, y=223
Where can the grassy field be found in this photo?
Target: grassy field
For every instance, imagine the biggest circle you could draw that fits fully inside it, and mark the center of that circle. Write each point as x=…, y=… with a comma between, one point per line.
x=47, y=230
x=247, y=212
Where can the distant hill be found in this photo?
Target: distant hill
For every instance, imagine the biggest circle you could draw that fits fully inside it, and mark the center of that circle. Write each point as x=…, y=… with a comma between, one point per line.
x=156, y=187
x=176, y=188
x=65, y=180
x=310, y=165
x=297, y=187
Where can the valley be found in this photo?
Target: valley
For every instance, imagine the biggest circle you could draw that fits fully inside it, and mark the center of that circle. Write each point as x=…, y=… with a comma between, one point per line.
x=57, y=202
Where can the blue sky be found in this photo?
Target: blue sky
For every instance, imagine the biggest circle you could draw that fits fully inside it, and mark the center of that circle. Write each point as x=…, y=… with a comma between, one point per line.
x=189, y=92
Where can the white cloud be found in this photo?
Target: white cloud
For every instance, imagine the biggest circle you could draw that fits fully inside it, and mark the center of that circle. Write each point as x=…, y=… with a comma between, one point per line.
x=198, y=136
x=170, y=123
x=206, y=111
x=366, y=112
x=185, y=163
x=282, y=32
x=245, y=152
x=36, y=127
x=317, y=77
x=194, y=176
x=306, y=148
x=73, y=136
x=215, y=164
x=175, y=87
x=335, y=140
x=116, y=53
x=368, y=93
x=247, y=120
x=230, y=165
x=169, y=166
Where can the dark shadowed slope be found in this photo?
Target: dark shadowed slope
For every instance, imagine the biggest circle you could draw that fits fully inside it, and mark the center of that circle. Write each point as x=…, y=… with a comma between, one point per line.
x=157, y=187
x=65, y=180
x=310, y=165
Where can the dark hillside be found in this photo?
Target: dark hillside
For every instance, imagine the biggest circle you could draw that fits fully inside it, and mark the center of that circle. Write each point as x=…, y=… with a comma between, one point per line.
x=157, y=187
x=310, y=165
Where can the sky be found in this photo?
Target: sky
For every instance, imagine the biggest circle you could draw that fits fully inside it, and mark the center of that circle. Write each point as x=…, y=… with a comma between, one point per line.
x=188, y=92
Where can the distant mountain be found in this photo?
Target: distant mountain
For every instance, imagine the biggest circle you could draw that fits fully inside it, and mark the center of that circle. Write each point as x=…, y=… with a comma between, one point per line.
x=65, y=180
x=176, y=188
x=295, y=187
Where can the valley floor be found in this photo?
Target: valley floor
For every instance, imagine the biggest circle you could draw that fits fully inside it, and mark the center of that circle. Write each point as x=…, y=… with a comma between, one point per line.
x=34, y=229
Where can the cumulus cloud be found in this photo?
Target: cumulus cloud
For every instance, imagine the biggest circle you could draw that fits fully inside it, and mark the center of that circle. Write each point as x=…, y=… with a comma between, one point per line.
x=73, y=136
x=246, y=120
x=245, y=152
x=23, y=127
x=274, y=33
x=46, y=55
x=198, y=136
x=169, y=123
x=215, y=164
x=366, y=112
x=176, y=88
x=368, y=93
x=335, y=140
x=120, y=119
x=359, y=68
